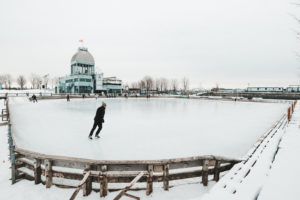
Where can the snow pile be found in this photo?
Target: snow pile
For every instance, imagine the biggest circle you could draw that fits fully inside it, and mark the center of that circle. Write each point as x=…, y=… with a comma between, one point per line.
x=245, y=180
x=142, y=128
x=284, y=177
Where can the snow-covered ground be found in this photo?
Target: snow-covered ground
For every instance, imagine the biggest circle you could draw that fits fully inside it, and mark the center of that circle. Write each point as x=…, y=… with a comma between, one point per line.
x=30, y=91
x=269, y=178
x=25, y=189
x=283, y=181
x=142, y=128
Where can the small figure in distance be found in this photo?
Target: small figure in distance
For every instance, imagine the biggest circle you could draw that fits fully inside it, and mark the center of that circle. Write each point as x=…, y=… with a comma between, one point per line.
x=34, y=99
x=83, y=96
x=68, y=97
x=98, y=120
x=96, y=96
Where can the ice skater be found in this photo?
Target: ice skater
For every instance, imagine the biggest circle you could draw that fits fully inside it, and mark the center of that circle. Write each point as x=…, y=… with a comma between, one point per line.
x=34, y=99
x=68, y=97
x=98, y=120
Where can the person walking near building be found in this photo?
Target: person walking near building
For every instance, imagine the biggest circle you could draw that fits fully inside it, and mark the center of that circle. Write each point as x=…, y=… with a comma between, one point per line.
x=68, y=97
x=98, y=120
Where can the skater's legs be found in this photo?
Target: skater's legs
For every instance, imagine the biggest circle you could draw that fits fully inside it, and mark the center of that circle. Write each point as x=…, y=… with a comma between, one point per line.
x=99, y=129
x=94, y=127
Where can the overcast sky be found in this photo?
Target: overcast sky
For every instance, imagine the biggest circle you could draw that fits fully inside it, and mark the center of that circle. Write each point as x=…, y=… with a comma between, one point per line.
x=233, y=43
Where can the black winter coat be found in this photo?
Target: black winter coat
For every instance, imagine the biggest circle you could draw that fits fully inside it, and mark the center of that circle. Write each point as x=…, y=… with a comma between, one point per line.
x=100, y=115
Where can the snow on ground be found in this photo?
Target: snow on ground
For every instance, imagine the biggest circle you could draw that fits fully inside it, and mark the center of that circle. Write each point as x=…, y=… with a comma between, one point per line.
x=244, y=181
x=30, y=91
x=25, y=189
x=142, y=128
x=284, y=177
x=273, y=169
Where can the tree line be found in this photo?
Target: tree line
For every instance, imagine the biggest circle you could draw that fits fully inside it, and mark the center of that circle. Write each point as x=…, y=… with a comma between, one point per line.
x=161, y=85
x=34, y=81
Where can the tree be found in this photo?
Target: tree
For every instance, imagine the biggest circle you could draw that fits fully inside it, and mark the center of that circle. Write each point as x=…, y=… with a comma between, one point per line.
x=174, y=85
x=2, y=80
x=158, y=85
x=185, y=84
x=46, y=80
x=21, y=81
x=142, y=84
x=148, y=82
x=36, y=81
x=6, y=80
x=134, y=85
x=9, y=80
x=54, y=81
x=164, y=84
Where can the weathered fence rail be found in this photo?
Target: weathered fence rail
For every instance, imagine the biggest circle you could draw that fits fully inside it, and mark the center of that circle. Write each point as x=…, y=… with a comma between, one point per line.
x=69, y=171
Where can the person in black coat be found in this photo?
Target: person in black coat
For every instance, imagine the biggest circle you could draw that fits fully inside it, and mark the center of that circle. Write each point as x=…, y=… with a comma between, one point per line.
x=98, y=120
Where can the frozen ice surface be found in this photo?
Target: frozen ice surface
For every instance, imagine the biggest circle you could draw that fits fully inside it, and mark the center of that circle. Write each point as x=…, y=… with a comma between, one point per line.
x=142, y=128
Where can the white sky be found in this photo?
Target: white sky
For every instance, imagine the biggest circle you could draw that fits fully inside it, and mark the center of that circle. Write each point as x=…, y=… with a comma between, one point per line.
x=232, y=42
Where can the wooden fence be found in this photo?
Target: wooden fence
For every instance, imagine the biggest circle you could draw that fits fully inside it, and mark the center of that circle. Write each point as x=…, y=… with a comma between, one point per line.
x=44, y=168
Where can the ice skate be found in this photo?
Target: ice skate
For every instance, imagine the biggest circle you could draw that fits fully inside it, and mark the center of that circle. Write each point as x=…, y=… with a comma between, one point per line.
x=97, y=137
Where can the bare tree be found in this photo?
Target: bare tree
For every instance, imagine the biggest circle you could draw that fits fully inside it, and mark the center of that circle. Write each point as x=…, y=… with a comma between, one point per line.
x=21, y=80
x=36, y=81
x=2, y=80
x=148, y=82
x=9, y=80
x=158, y=85
x=134, y=85
x=164, y=84
x=46, y=79
x=174, y=85
x=142, y=84
x=185, y=84
x=54, y=82
x=6, y=80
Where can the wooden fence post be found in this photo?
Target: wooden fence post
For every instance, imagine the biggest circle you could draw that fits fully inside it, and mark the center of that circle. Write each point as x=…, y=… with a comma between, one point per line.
x=87, y=186
x=205, y=172
x=217, y=172
x=48, y=173
x=289, y=114
x=37, y=171
x=166, y=177
x=149, y=180
x=103, y=182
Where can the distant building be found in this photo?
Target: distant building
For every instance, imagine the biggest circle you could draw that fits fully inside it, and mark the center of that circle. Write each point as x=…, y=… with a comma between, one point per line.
x=293, y=88
x=265, y=89
x=84, y=79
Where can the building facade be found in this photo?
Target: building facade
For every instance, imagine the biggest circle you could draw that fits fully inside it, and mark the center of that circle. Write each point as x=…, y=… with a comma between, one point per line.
x=84, y=79
x=265, y=89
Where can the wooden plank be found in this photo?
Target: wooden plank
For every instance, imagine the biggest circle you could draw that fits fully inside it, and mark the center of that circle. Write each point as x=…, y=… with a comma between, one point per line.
x=217, y=172
x=86, y=176
x=166, y=177
x=205, y=172
x=149, y=180
x=116, y=165
x=87, y=186
x=124, y=190
x=37, y=171
x=131, y=196
x=103, y=182
x=158, y=168
x=48, y=173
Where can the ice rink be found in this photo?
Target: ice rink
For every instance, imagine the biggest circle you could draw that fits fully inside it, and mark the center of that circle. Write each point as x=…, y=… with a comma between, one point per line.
x=142, y=128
